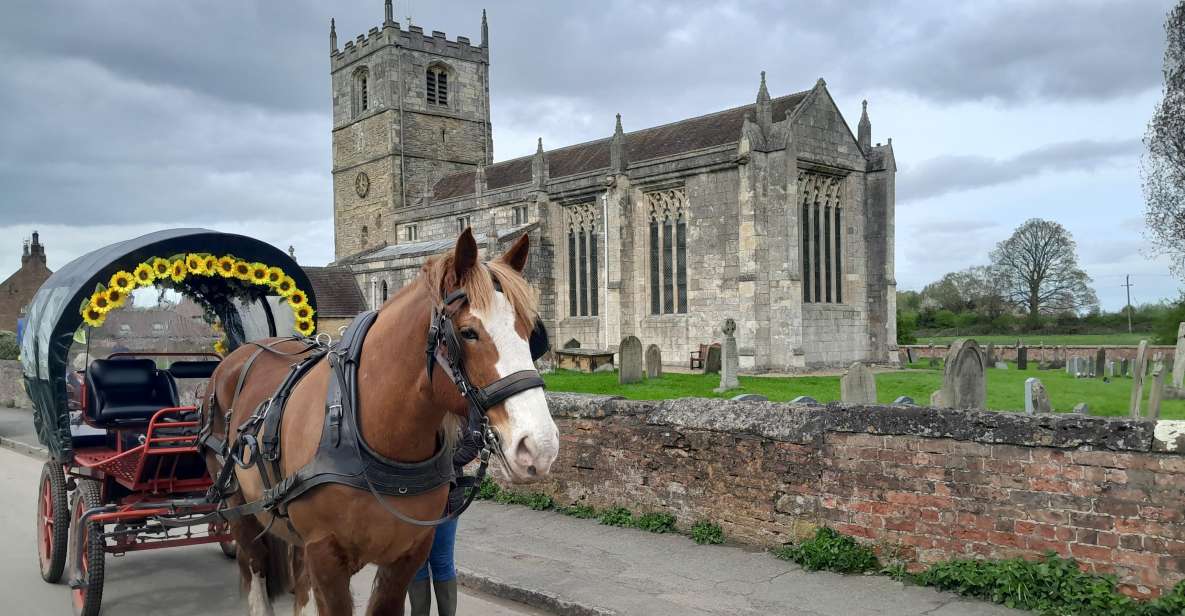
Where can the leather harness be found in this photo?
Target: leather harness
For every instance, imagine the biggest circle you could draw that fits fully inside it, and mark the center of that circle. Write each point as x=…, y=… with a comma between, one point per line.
x=343, y=456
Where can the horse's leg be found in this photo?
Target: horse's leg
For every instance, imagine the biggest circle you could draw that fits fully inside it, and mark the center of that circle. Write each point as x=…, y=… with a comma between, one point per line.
x=391, y=582
x=327, y=568
x=253, y=558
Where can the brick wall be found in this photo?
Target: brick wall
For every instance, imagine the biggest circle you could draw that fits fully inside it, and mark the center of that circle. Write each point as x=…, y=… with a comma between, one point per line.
x=1047, y=353
x=934, y=484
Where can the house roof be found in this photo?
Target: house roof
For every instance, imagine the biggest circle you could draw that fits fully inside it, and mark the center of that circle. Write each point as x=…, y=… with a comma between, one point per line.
x=336, y=291
x=706, y=131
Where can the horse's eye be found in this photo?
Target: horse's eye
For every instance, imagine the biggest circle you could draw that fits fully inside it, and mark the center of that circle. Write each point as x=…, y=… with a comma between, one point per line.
x=469, y=333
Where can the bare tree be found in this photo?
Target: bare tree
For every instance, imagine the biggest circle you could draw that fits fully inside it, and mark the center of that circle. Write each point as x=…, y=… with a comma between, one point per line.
x=1038, y=271
x=1163, y=164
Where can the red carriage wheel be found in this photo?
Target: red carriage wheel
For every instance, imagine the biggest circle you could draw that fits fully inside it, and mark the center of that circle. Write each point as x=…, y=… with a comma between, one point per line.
x=53, y=522
x=89, y=594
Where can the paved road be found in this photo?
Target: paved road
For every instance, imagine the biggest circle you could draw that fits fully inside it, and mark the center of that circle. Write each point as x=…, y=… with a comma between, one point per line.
x=178, y=582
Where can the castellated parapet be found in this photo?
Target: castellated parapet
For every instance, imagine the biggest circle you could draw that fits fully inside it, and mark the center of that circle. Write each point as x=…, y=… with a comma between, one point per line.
x=413, y=38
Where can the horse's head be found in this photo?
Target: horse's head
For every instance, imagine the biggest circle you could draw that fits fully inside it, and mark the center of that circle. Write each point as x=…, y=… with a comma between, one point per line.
x=494, y=329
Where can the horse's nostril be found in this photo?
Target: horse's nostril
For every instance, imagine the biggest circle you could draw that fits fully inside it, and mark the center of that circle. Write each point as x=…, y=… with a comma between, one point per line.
x=524, y=453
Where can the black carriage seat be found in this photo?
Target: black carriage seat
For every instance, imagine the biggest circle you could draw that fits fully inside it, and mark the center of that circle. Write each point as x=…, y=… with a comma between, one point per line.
x=127, y=391
x=200, y=369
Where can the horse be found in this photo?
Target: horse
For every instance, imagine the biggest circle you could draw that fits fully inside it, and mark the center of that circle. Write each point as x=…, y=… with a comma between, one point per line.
x=404, y=410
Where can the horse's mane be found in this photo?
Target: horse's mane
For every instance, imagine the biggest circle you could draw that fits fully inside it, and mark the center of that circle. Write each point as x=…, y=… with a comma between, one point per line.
x=438, y=273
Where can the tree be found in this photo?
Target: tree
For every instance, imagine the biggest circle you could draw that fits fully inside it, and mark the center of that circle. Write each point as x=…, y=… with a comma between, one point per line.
x=1163, y=163
x=975, y=289
x=1038, y=270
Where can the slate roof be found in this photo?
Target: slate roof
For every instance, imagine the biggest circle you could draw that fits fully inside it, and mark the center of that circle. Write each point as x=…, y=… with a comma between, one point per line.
x=336, y=291
x=706, y=131
x=420, y=248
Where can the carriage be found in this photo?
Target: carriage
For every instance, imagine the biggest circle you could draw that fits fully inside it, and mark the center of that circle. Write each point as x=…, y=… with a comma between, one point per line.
x=125, y=472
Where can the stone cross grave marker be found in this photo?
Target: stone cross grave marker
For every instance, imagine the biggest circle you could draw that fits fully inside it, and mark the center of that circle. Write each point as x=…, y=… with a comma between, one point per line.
x=1036, y=397
x=1157, y=394
x=1179, y=358
x=858, y=385
x=1139, y=368
x=730, y=362
x=631, y=360
x=1100, y=362
x=653, y=362
x=1022, y=358
x=964, y=384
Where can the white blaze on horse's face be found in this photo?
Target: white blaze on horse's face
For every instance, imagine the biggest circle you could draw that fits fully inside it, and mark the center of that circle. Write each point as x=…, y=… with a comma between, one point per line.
x=533, y=440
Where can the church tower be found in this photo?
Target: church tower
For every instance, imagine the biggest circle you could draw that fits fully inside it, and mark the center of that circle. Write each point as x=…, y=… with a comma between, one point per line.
x=408, y=109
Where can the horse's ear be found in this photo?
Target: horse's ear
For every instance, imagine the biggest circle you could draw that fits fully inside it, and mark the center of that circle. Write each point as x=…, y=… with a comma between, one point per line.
x=516, y=257
x=464, y=254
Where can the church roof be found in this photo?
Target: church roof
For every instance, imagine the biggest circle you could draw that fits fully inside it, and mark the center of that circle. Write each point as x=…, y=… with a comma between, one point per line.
x=706, y=131
x=423, y=247
x=336, y=291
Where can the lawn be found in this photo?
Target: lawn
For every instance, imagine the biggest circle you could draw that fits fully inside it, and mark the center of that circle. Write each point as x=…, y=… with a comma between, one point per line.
x=1005, y=388
x=1052, y=339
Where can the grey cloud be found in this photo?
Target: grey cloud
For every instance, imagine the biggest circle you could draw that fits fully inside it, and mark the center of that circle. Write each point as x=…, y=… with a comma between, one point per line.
x=946, y=174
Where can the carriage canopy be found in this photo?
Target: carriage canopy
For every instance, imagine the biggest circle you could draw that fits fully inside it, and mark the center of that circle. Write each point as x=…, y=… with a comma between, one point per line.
x=265, y=294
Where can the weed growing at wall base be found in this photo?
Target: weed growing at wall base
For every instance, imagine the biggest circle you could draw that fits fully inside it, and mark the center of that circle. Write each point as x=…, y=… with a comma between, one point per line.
x=656, y=522
x=707, y=533
x=617, y=516
x=828, y=550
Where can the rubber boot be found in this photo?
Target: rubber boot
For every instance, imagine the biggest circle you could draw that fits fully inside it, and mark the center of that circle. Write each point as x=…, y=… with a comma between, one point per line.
x=419, y=592
x=446, y=597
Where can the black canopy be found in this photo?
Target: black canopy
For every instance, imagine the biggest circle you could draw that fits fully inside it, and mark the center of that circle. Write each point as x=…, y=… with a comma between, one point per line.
x=54, y=314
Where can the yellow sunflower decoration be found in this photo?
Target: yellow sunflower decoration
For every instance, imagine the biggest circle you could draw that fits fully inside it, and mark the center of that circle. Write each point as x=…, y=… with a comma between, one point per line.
x=274, y=276
x=99, y=302
x=92, y=316
x=210, y=264
x=195, y=264
x=285, y=286
x=115, y=297
x=144, y=275
x=161, y=268
x=242, y=270
x=297, y=298
x=123, y=281
x=226, y=266
x=305, y=327
x=177, y=271
x=220, y=347
x=258, y=273
x=304, y=312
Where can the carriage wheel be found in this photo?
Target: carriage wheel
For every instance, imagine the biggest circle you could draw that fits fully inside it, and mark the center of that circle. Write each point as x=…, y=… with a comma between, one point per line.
x=89, y=595
x=53, y=522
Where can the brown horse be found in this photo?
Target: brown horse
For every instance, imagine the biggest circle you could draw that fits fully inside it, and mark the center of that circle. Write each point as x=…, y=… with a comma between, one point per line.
x=335, y=529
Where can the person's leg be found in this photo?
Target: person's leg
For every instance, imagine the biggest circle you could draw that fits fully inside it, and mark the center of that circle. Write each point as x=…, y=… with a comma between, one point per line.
x=444, y=571
x=419, y=592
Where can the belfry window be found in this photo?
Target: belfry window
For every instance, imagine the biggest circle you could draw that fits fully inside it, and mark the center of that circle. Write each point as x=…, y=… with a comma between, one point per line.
x=667, y=214
x=582, y=260
x=821, y=217
x=361, y=94
x=436, y=85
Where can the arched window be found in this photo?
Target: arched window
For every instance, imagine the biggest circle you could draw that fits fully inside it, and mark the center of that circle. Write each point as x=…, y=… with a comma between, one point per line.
x=436, y=85
x=361, y=93
x=365, y=236
x=378, y=222
x=384, y=291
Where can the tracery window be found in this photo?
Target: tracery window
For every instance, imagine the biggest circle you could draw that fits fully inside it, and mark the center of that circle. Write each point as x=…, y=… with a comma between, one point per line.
x=384, y=291
x=667, y=213
x=822, y=237
x=582, y=260
x=436, y=85
x=361, y=90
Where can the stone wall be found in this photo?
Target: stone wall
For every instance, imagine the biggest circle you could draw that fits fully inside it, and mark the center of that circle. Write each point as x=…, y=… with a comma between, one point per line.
x=12, y=385
x=935, y=484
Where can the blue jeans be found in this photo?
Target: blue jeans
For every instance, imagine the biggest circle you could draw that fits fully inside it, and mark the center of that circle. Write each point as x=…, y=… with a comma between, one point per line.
x=440, y=559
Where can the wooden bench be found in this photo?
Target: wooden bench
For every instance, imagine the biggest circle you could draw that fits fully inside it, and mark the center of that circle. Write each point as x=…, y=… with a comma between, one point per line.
x=698, y=356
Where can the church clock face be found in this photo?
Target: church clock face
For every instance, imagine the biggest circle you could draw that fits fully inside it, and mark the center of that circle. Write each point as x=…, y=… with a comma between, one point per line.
x=362, y=183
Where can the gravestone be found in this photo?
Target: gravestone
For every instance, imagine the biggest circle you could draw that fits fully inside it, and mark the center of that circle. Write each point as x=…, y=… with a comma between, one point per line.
x=1139, y=368
x=936, y=399
x=804, y=400
x=904, y=401
x=909, y=355
x=750, y=398
x=991, y=354
x=1179, y=358
x=933, y=362
x=631, y=361
x=653, y=362
x=1000, y=365
x=1022, y=358
x=1036, y=397
x=964, y=384
x=1070, y=366
x=1124, y=366
x=712, y=361
x=729, y=361
x=858, y=385
x=1100, y=362
x=572, y=343
x=1082, y=408
x=1109, y=371
x=1157, y=394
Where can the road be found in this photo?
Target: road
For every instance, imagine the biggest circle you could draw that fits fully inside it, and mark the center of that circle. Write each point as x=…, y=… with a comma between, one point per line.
x=194, y=581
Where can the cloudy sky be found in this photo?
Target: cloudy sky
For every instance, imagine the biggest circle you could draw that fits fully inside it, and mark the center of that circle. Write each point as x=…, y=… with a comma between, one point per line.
x=120, y=117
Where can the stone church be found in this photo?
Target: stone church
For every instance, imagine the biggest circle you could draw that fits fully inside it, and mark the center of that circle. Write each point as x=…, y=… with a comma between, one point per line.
x=18, y=289
x=773, y=213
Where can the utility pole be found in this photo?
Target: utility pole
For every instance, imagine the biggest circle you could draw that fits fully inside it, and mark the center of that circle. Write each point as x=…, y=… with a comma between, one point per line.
x=1128, y=284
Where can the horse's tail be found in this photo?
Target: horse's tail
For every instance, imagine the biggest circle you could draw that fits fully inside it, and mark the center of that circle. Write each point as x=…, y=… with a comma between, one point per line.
x=279, y=574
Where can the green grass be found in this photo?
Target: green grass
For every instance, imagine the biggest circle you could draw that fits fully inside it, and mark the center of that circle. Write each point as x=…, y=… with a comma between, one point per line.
x=1005, y=388
x=1050, y=340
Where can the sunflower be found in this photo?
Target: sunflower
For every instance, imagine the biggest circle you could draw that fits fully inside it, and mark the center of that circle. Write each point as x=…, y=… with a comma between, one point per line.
x=274, y=276
x=297, y=298
x=195, y=264
x=304, y=312
x=115, y=297
x=242, y=270
x=210, y=264
x=258, y=273
x=305, y=327
x=93, y=316
x=226, y=266
x=161, y=267
x=123, y=281
x=220, y=347
x=144, y=275
x=100, y=302
x=285, y=286
x=177, y=270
